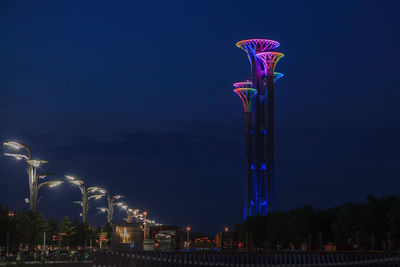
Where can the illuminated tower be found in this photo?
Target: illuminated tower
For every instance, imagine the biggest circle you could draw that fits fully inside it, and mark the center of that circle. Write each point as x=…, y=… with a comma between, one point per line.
x=248, y=96
x=259, y=118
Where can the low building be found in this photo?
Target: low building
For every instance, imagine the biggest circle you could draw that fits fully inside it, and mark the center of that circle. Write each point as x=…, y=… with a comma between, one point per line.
x=227, y=240
x=165, y=237
x=127, y=236
x=203, y=243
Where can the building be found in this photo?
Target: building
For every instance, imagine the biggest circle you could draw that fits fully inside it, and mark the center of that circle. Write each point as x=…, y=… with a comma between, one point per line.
x=227, y=240
x=257, y=95
x=203, y=243
x=166, y=238
x=127, y=236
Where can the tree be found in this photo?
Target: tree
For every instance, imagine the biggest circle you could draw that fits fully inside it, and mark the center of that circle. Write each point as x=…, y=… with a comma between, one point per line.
x=67, y=227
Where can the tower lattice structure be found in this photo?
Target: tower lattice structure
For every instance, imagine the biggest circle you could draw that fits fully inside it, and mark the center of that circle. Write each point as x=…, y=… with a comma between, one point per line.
x=257, y=95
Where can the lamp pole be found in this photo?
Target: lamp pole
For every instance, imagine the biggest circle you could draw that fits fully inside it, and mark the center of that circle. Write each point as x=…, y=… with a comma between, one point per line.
x=32, y=170
x=85, y=195
x=187, y=232
x=110, y=201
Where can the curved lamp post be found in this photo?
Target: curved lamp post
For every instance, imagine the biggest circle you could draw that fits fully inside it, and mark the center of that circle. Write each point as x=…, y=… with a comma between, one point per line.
x=110, y=201
x=85, y=195
x=33, y=175
x=130, y=213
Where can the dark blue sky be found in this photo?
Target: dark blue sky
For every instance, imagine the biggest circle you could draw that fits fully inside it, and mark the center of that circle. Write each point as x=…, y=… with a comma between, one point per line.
x=137, y=96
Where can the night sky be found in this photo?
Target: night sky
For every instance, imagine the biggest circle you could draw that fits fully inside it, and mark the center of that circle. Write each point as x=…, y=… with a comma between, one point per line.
x=137, y=97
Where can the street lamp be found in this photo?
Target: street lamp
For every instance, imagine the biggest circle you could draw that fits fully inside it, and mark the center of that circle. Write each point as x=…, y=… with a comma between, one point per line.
x=85, y=195
x=110, y=201
x=187, y=232
x=130, y=213
x=33, y=176
x=143, y=217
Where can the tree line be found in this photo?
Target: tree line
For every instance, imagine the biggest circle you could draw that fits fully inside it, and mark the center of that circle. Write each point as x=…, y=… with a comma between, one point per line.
x=25, y=230
x=370, y=225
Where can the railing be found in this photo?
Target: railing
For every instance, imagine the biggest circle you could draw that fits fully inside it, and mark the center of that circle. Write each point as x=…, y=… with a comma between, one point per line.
x=242, y=259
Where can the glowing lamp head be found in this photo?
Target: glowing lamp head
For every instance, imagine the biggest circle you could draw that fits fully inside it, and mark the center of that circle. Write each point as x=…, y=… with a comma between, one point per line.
x=102, y=209
x=98, y=189
x=36, y=162
x=55, y=183
x=77, y=182
x=121, y=204
x=14, y=145
x=16, y=156
x=44, y=175
x=70, y=177
x=226, y=229
x=188, y=228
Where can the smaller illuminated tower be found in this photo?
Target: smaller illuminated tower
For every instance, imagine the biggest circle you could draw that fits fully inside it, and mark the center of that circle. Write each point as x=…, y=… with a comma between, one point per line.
x=248, y=96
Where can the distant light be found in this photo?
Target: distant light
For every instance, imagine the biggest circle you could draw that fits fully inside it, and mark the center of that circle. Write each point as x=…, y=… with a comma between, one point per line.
x=263, y=167
x=55, y=183
x=36, y=163
x=70, y=177
x=13, y=145
x=17, y=156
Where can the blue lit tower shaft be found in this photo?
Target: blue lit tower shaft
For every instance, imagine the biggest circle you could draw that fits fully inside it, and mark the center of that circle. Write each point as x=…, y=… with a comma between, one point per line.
x=269, y=141
x=249, y=183
x=259, y=145
x=248, y=96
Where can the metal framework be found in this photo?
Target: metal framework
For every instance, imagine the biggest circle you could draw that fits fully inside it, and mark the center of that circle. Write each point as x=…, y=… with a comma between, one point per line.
x=248, y=97
x=246, y=84
x=257, y=95
x=270, y=59
x=257, y=45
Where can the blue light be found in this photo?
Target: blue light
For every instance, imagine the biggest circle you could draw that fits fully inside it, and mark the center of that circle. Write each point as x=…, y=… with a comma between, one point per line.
x=277, y=76
x=264, y=131
x=263, y=167
x=252, y=166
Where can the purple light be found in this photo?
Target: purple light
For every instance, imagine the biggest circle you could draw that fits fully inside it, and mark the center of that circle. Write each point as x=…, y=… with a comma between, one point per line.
x=257, y=45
